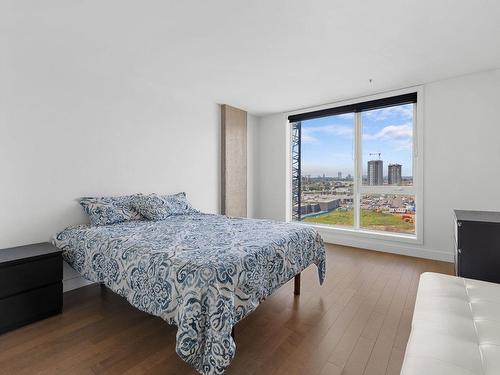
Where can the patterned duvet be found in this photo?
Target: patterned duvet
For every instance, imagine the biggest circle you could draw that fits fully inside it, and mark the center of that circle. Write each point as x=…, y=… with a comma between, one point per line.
x=201, y=272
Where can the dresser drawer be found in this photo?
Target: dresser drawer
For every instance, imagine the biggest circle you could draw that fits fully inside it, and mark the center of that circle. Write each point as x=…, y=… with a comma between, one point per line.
x=19, y=277
x=28, y=307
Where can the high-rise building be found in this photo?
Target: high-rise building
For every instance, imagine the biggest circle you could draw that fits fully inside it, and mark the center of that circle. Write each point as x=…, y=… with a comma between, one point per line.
x=339, y=175
x=375, y=172
x=394, y=174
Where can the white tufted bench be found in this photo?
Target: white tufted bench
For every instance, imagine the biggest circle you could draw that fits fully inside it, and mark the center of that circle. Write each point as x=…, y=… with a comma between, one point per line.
x=455, y=328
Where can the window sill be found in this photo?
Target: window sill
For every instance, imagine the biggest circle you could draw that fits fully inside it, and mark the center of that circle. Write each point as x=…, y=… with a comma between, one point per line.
x=360, y=233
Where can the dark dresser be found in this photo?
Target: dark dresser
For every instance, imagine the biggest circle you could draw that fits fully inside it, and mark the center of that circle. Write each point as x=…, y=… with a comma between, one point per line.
x=477, y=245
x=30, y=284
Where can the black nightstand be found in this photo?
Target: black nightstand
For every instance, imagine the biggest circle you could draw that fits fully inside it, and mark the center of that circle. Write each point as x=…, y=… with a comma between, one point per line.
x=30, y=284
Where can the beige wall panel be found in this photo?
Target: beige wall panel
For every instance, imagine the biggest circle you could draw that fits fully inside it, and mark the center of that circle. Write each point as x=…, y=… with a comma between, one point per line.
x=234, y=161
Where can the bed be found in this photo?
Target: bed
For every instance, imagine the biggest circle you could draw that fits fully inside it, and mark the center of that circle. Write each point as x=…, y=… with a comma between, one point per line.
x=200, y=272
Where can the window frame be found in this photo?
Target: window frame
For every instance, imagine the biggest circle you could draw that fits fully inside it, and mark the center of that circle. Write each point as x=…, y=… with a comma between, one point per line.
x=416, y=189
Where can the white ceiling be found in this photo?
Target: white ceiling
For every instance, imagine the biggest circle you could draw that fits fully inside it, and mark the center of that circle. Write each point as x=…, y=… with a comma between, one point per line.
x=263, y=56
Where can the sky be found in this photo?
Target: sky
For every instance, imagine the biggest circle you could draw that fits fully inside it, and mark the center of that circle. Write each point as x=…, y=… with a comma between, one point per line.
x=327, y=142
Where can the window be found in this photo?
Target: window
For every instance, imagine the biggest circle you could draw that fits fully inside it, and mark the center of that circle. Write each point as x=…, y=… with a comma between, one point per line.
x=354, y=166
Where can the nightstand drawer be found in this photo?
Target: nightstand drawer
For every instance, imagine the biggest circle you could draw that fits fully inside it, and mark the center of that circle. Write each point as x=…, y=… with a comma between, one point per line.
x=20, y=277
x=28, y=307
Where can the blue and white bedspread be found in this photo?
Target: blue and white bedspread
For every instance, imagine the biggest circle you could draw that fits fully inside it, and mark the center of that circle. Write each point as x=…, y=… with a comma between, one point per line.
x=201, y=272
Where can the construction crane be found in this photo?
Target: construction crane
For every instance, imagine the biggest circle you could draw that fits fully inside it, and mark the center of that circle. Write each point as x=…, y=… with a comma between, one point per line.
x=376, y=153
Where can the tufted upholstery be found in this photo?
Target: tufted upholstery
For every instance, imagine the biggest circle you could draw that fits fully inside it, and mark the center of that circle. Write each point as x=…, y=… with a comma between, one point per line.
x=455, y=329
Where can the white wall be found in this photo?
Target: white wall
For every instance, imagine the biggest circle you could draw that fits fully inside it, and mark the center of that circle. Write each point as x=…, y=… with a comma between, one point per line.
x=72, y=128
x=102, y=138
x=270, y=177
x=461, y=161
x=461, y=151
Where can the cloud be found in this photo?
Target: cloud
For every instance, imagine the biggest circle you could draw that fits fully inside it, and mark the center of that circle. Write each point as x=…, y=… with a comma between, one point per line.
x=307, y=137
x=347, y=116
x=395, y=132
x=403, y=145
x=392, y=132
x=311, y=134
x=393, y=137
x=404, y=112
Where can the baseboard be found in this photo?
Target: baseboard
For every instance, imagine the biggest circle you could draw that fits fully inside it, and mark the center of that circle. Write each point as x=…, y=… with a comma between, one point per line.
x=394, y=248
x=75, y=283
x=72, y=279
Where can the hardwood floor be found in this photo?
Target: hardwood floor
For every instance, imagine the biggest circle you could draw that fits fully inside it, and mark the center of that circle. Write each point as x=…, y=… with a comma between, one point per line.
x=358, y=322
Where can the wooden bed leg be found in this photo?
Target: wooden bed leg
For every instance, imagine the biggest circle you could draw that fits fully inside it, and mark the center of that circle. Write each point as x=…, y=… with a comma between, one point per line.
x=296, y=289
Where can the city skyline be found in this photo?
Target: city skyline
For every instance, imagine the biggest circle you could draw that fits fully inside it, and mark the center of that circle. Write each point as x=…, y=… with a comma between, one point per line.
x=327, y=143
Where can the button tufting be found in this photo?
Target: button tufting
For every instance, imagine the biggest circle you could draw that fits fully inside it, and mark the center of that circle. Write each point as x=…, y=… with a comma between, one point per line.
x=455, y=329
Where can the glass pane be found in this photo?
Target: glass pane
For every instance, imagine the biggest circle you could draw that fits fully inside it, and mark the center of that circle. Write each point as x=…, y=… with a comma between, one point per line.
x=388, y=212
x=327, y=170
x=387, y=145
